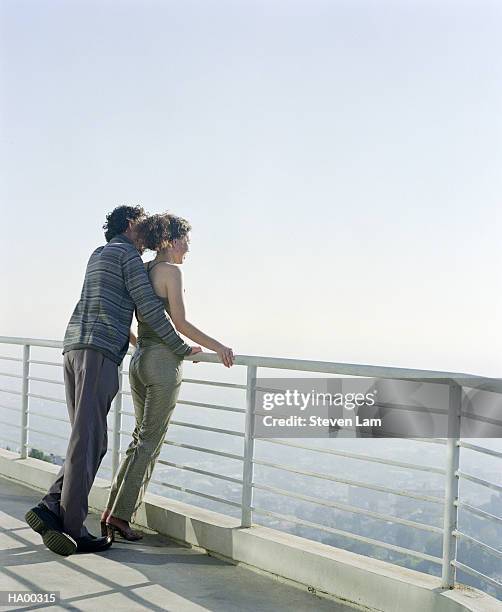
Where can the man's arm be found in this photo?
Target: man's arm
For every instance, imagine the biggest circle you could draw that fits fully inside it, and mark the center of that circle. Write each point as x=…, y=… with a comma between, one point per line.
x=149, y=305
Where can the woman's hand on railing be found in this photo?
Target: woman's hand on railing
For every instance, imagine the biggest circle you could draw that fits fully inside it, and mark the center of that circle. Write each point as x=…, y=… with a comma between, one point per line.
x=225, y=355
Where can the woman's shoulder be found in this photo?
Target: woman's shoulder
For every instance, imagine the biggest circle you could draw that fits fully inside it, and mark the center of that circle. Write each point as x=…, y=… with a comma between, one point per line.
x=166, y=269
x=170, y=267
x=161, y=265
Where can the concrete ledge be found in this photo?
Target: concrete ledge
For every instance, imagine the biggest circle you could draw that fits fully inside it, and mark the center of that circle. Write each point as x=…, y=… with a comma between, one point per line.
x=345, y=576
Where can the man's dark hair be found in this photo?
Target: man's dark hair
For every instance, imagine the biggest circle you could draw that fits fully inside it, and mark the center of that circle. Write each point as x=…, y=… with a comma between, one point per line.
x=118, y=220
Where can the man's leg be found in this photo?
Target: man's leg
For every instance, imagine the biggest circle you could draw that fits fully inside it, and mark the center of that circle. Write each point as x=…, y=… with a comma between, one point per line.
x=53, y=496
x=96, y=384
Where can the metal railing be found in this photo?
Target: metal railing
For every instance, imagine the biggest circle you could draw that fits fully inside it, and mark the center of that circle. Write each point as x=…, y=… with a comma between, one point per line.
x=450, y=500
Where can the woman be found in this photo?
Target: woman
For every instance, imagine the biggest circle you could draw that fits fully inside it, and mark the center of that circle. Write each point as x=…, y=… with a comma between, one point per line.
x=155, y=372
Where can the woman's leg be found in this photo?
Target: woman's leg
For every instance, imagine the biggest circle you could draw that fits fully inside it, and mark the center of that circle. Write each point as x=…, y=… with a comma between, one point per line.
x=162, y=372
x=138, y=392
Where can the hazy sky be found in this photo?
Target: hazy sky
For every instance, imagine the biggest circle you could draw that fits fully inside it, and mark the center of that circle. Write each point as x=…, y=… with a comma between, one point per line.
x=340, y=163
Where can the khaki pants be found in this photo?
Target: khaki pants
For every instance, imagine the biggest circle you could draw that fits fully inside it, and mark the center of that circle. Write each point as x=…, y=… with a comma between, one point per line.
x=155, y=377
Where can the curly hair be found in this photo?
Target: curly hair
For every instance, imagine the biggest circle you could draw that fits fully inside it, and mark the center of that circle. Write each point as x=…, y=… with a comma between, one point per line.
x=158, y=231
x=118, y=220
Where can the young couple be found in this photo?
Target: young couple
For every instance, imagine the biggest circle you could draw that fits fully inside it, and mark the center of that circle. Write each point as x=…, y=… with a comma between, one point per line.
x=116, y=284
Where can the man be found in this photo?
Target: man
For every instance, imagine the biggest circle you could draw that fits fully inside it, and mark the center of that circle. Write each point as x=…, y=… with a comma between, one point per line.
x=95, y=343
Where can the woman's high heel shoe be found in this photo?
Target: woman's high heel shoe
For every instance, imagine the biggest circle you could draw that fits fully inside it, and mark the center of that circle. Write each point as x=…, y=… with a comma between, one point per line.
x=124, y=532
x=104, y=516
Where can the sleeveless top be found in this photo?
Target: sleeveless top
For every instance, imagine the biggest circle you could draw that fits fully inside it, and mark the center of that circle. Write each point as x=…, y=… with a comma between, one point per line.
x=145, y=332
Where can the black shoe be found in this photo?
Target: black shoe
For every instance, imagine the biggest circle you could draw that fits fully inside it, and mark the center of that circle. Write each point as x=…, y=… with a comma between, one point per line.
x=55, y=516
x=48, y=525
x=90, y=544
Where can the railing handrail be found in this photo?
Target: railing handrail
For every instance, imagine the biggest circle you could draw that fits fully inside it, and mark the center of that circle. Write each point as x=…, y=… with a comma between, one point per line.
x=453, y=444
x=325, y=367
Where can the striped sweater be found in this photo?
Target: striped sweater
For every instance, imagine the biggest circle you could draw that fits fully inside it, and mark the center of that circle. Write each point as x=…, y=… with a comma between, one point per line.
x=115, y=283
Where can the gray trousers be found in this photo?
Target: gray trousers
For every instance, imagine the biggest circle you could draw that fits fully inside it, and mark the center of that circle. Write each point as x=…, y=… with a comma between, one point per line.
x=91, y=383
x=155, y=376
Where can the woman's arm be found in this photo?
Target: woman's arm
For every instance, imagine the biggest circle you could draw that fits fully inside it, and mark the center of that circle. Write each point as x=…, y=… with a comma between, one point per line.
x=174, y=289
x=132, y=338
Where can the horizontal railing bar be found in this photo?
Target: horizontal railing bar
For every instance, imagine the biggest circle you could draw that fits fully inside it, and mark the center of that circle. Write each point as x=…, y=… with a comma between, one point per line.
x=269, y=389
x=480, y=449
x=355, y=483
x=15, y=425
x=203, y=450
x=478, y=511
x=347, y=369
x=330, y=451
x=193, y=492
x=211, y=383
x=49, y=363
x=349, y=535
x=480, y=481
x=486, y=547
x=127, y=413
x=31, y=342
x=8, y=374
x=11, y=391
x=211, y=406
x=189, y=468
x=48, y=433
x=481, y=419
x=360, y=370
x=50, y=417
x=229, y=432
x=348, y=508
x=404, y=407
x=46, y=397
x=476, y=574
x=377, y=435
x=441, y=441
x=46, y=380
x=17, y=359
x=10, y=408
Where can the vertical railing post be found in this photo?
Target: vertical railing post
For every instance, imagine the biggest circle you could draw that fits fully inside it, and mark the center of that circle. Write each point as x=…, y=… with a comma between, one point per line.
x=451, y=487
x=25, y=401
x=117, y=426
x=248, y=465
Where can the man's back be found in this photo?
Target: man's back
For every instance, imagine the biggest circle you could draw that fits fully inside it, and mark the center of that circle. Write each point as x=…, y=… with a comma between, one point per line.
x=115, y=281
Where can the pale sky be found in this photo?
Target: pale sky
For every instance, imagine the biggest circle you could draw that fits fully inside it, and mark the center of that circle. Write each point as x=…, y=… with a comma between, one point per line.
x=339, y=161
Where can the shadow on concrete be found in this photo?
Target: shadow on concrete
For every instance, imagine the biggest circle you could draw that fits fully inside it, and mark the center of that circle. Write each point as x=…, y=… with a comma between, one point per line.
x=153, y=574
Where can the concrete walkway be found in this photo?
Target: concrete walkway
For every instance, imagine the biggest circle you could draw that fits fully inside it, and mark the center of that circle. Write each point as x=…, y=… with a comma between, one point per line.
x=153, y=574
